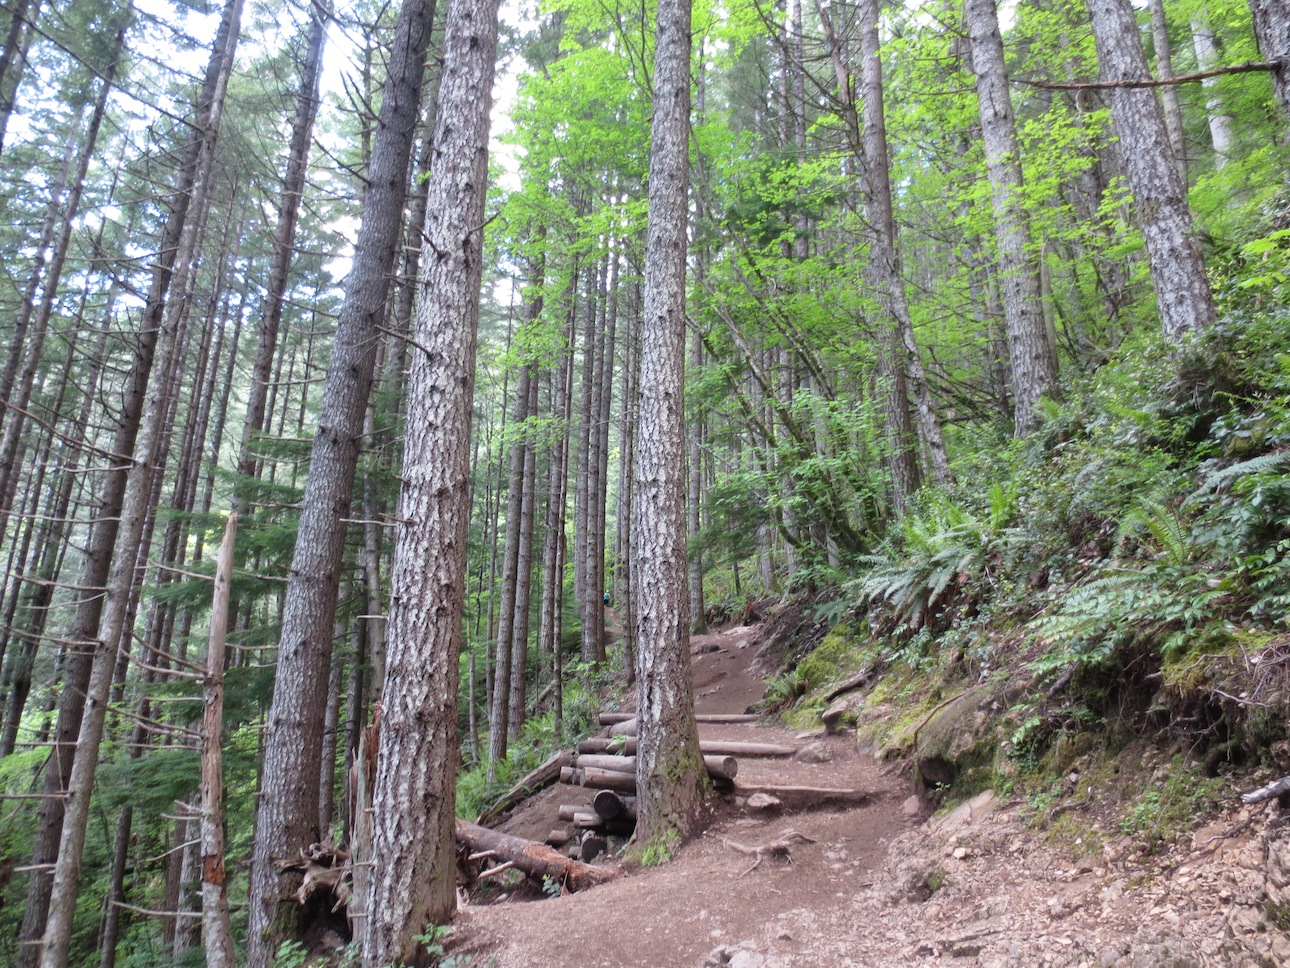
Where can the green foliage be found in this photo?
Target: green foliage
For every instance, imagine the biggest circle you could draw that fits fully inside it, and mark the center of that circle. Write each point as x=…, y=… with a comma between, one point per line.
x=947, y=558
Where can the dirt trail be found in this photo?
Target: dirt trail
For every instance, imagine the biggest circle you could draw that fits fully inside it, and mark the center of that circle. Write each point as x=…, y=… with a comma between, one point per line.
x=677, y=914
x=874, y=887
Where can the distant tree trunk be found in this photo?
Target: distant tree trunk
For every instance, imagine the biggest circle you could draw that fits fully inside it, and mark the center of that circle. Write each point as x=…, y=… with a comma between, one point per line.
x=1034, y=361
x=13, y=58
x=413, y=882
x=1220, y=123
x=669, y=771
x=284, y=236
x=518, y=698
x=115, y=541
x=1177, y=267
x=287, y=818
x=623, y=574
x=499, y=701
x=1272, y=29
x=694, y=502
x=550, y=621
x=1169, y=92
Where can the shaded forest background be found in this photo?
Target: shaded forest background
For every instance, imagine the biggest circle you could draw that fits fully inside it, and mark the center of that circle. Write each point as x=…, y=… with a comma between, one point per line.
x=945, y=382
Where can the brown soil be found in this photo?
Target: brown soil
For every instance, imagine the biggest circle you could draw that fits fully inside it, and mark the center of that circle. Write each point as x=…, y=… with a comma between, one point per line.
x=875, y=886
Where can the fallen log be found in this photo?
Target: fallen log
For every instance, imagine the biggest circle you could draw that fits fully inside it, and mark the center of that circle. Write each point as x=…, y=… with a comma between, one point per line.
x=855, y=682
x=539, y=779
x=533, y=858
x=800, y=799
x=626, y=746
x=568, y=810
x=1274, y=789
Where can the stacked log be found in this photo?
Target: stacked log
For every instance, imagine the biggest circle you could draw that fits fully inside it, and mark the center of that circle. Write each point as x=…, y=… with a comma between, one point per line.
x=626, y=746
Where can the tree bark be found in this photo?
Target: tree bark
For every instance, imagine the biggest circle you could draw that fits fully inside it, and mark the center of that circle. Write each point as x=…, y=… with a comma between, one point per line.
x=91, y=683
x=1183, y=294
x=668, y=763
x=1168, y=93
x=287, y=818
x=1034, y=361
x=413, y=876
x=1272, y=30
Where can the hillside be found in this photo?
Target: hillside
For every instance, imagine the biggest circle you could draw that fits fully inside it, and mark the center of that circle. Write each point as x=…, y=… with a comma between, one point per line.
x=990, y=881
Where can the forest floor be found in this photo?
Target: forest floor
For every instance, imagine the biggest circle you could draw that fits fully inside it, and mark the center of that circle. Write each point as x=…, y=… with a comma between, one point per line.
x=884, y=884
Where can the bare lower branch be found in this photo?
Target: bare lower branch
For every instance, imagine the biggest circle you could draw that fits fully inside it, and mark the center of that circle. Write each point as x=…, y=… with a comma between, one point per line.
x=1245, y=68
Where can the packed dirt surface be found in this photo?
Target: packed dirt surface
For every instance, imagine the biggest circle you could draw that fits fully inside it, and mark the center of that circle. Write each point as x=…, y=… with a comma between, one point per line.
x=882, y=883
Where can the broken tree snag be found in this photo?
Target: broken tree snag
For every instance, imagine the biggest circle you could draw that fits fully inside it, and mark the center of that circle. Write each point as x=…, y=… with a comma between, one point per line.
x=1273, y=789
x=533, y=858
x=611, y=805
x=542, y=777
x=799, y=799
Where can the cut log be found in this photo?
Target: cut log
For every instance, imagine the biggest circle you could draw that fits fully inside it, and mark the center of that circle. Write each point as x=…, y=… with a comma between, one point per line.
x=567, y=810
x=541, y=778
x=533, y=858
x=558, y=837
x=611, y=805
x=727, y=718
x=592, y=846
x=721, y=767
x=609, y=719
x=627, y=727
x=798, y=799
x=571, y=775
x=587, y=819
x=626, y=746
x=606, y=761
x=608, y=780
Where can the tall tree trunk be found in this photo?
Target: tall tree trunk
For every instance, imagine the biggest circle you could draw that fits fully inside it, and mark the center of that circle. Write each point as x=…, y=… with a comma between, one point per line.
x=13, y=58
x=413, y=883
x=1034, y=360
x=1177, y=267
x=499, y=702
x=669, y=771
x=110, y=558
x=1272, y=29
x=288, y=813
x=287, y=818
x=1169, y=92
x=550, y=622
x=524, y=567
x=284, y=235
